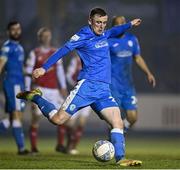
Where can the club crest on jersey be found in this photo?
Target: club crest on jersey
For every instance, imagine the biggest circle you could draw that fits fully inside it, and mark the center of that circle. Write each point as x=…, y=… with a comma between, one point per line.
x=130, y=43
x=75, y=37
x=72, y=107
x=101, y=44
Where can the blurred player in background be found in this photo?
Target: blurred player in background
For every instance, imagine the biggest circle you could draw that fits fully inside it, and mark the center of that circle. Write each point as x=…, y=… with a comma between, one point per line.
x=75, y=125
x=123, y=50
x=93, y=80
x=49, y=84
x=12, y=61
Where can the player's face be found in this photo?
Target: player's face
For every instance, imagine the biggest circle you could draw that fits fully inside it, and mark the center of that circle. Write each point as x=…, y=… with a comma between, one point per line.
x=45, y=38
x=98, y=23
x=14, y=32
x=120, y=21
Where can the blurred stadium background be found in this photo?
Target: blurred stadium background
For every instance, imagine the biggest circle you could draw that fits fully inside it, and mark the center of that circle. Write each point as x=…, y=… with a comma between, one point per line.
x=159, y=36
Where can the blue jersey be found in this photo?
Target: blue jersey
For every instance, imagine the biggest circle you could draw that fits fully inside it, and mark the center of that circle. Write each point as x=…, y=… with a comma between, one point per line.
x=94, y=52
x=122, y=52
x=14, y=53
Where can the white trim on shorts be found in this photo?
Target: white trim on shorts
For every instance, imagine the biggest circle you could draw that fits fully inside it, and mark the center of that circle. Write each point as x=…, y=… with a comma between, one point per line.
x=72, y=95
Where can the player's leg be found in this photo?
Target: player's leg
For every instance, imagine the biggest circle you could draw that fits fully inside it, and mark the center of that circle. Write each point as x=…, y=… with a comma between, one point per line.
x=108, y=110
x=61, y=132
x=14, y=107
x=129, y=104
x=112, y=117
x=33, y=131
x=49, y=110
x=56, y=98
x=18, y=133
x=5, y=122
x=131, y=118
x=71, y=126
x=80, y=119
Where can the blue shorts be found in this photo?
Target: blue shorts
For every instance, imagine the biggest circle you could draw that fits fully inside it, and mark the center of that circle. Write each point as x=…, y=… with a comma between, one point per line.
x=11, y=102
x=126, y=99
x=89, y=93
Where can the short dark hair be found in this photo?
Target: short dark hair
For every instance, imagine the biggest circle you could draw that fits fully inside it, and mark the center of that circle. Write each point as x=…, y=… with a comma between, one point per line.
x=11, y=23
x=98, y=11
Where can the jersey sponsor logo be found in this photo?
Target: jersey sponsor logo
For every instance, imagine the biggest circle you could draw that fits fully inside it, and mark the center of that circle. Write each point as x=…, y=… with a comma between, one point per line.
x=130, y=43
x=75, y=38
x=124, y=54
x=101, y=44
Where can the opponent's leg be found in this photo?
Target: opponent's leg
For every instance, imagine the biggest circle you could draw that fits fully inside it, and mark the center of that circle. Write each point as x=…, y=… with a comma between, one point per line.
x=33, y=131
x=61, y=132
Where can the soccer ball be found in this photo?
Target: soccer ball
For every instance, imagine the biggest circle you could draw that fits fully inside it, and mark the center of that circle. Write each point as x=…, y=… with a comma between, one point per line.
x=103, y=150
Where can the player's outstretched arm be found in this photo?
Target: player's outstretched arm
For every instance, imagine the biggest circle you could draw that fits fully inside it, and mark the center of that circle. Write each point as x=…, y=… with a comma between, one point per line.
x=51, y=61
x=120, y=29
x=38, y=72
x=136, y=22
x=143, y=66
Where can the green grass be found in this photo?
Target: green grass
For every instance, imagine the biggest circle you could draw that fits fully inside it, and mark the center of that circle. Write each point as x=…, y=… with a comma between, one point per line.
x=156, y=153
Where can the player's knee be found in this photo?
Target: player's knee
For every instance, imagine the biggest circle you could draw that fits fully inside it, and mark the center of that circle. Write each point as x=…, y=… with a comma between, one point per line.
x=60, y=118
x=16, y=123
x=132, y=117
x=17, y=115
x=35, y=119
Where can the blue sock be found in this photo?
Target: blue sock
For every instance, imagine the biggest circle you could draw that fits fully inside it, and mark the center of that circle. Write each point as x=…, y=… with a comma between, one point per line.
x=45, y=106
x=4, y=125
x=117, y=139
x=18, y=134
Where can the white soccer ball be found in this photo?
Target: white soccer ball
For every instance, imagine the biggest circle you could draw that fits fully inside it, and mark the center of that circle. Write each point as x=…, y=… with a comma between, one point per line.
x=103, y=150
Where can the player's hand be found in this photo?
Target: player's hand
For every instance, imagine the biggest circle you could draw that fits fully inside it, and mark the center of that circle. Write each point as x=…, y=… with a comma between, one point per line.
x=38, y=72
x=136, y=22
x=151, y=80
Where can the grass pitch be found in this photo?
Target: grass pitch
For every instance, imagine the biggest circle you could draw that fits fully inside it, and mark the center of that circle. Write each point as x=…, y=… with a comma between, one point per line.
x=155, y=153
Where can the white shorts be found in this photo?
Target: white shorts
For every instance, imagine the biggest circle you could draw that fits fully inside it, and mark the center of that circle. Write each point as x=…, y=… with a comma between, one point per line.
x=51, y=95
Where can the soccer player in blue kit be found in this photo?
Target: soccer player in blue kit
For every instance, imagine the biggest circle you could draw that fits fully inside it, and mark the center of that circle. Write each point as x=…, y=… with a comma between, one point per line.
x=11, y=60
x=93, y=80
x=123, y=50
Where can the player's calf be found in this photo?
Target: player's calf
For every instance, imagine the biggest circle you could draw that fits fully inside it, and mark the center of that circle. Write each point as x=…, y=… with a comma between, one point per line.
x=47, y=108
